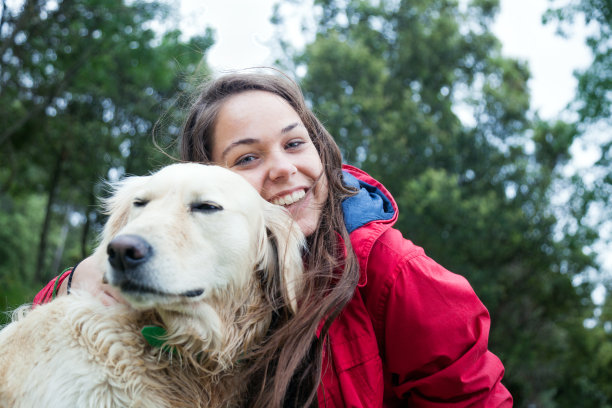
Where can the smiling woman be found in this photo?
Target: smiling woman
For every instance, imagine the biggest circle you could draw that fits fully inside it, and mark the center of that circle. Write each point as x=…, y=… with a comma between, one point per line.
x=399, y=328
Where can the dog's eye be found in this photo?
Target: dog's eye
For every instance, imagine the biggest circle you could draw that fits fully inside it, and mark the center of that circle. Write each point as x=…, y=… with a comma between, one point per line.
x=205, y=206
x=139, y=202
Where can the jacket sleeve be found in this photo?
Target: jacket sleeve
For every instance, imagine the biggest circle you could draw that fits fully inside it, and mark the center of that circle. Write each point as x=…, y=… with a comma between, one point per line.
x=435, y=334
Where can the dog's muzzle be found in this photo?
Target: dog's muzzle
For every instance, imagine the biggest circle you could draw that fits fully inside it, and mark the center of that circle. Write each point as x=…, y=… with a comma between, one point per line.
x=126, y=254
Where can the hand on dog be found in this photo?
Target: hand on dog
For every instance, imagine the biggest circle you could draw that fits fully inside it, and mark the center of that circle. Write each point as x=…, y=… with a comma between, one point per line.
x=88, y=278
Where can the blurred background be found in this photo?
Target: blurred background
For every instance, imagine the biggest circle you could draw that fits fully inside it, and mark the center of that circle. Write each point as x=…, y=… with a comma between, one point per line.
x=489, y=121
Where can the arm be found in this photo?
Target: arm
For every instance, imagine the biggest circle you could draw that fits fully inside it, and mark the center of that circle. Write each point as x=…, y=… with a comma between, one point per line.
x=87, y=277
x=433, y=332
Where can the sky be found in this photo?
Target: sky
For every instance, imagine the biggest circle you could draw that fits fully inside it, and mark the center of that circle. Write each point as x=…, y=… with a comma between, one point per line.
x=243, y=32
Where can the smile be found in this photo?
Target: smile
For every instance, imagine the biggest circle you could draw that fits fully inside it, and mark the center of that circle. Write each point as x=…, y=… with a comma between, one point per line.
x=289, y=198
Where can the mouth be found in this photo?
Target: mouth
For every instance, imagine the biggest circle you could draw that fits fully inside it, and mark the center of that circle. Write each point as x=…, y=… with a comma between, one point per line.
x=131, y=288
x=288, y=199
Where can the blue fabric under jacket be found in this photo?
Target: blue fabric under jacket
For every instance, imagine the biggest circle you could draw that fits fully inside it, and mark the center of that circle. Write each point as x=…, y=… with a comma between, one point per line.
x=369, y=204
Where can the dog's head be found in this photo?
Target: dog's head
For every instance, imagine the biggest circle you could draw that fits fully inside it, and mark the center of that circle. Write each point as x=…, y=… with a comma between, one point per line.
x=198, y=241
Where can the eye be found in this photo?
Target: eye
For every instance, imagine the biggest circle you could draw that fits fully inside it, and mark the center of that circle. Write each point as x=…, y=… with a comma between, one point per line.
x=294, y=144
x=245, y=160
x=206, y=207
x=139, y=202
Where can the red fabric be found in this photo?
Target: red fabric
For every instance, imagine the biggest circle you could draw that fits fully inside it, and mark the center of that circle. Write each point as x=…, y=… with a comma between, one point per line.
x=413, y=335
x=46, y=294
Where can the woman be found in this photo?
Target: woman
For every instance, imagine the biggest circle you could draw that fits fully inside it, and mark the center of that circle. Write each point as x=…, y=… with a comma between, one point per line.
x=379, y=323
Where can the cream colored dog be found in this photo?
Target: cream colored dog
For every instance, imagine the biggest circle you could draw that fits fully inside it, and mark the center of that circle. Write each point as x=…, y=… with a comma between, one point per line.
x=194, y=249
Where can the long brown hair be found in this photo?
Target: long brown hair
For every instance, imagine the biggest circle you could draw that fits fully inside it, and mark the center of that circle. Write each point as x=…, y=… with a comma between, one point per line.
x=288, y=369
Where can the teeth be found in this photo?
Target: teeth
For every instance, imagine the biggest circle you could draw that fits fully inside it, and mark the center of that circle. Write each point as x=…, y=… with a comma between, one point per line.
x=289, y=198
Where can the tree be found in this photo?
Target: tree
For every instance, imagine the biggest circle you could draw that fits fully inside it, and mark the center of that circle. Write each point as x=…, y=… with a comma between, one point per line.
x=592, y=105
x=595, y=82
x=82, y=85
x=593, y=100
x=418, y=94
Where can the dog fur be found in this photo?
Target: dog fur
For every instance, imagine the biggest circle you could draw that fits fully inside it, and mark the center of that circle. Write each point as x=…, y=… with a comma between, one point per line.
x=214, y=252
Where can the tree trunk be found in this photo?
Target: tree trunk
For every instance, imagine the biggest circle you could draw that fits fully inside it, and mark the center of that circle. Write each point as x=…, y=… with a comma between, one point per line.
x=40, y=274
x=59, y=252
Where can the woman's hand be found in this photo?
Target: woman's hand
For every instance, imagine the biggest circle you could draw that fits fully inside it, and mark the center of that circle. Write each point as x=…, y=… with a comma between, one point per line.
x=88, y=277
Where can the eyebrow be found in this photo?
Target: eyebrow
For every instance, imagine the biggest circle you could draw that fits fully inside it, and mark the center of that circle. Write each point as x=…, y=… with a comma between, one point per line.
x=250, y=140
x=247, y=141
x=289, y=128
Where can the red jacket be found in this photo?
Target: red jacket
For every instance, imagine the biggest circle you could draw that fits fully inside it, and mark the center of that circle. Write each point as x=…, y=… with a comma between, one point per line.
x=414, y=334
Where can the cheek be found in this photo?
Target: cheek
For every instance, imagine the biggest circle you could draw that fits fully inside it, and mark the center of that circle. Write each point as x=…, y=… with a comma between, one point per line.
x=315, y=160
x=309, y=219
x=322, y=190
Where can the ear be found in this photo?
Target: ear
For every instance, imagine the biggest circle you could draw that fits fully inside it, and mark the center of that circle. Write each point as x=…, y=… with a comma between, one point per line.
x=117, y=206
x=284, y=245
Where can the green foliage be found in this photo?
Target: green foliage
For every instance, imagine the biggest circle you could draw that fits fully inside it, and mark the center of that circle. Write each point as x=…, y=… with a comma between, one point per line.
x=20, y=221
x=593, y=101
x=595, y=82
x=82, y=87
x=418, y=94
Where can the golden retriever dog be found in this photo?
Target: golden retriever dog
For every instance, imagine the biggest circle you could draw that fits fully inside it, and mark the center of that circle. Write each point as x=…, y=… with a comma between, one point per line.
x=198, y=254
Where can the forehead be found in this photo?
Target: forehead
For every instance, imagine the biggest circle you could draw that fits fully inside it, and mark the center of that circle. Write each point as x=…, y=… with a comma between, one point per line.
x=255, y=104
x=199, y=181
x=251, y=113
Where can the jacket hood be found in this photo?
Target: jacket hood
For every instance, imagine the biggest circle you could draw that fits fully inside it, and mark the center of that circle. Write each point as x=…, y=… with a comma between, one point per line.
x=371, y=203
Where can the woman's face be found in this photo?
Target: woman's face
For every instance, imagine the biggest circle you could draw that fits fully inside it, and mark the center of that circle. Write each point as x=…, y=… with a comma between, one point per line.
x=259, y=136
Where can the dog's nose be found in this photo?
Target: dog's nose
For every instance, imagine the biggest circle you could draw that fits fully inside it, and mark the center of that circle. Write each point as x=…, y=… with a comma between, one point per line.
x=127, y=251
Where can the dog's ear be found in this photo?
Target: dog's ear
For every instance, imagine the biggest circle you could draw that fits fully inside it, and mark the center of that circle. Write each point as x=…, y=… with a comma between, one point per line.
x=283, y=248
x=118, y=205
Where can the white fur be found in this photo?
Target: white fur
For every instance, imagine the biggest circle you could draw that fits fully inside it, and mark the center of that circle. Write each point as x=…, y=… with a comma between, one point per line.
x=76, y=352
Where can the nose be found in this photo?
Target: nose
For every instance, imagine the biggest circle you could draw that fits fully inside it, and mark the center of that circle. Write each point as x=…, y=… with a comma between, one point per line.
x=128, y=251
x=280, y=166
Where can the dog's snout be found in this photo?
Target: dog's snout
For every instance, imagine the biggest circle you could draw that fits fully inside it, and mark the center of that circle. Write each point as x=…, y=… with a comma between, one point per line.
x=128, y=251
